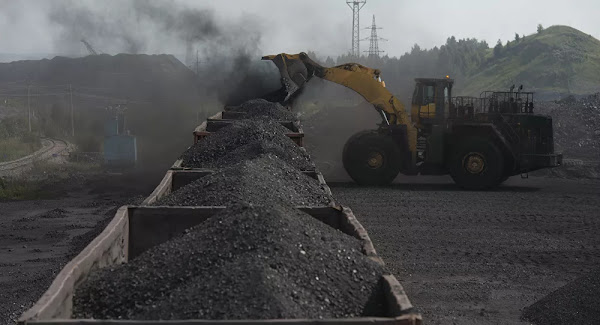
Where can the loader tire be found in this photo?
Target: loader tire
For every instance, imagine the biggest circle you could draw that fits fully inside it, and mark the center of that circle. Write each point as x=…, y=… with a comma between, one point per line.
x=372, y=158
x=477, y=164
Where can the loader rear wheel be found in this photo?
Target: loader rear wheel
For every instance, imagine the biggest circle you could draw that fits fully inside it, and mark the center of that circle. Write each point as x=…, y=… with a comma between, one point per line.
x=477, y=164
x=372, y=158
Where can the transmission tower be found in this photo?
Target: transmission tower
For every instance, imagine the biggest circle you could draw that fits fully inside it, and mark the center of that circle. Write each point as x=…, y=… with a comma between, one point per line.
x=356, y=5
x=374, y=40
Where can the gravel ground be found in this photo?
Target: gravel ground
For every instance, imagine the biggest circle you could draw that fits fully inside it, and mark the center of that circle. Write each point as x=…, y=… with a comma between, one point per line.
x=480, y=257
x=243, y=140
x=576, y=303
x=257, y=181
x=38, y=237
x=243, y=263
x=262, y=109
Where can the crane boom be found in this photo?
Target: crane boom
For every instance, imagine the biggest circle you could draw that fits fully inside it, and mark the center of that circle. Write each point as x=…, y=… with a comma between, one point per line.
x=89, y=47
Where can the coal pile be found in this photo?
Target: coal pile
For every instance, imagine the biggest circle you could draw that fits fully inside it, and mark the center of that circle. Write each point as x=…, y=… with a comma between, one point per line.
x=263, y=180
x=576, y=126
x=261, y=109
x=243, y=263
x=243, y=140
x=577, y=302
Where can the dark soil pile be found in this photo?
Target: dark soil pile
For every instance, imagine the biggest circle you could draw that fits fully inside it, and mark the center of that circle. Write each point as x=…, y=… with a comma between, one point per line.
x=265, y=110
x=243, y=263
x=266, y=179
x=577, y=302
x=576, y=126
x=243, y=140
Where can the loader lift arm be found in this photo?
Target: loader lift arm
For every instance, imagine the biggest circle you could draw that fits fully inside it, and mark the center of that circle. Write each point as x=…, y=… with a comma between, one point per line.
x=297, y=69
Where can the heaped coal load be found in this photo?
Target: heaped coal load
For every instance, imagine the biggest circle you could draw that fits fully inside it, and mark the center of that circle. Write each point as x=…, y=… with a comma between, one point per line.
x=261, y=109
x=576, y=124
x=243, y=263
x=266, y=179
x=577, y=302
x=243, y=140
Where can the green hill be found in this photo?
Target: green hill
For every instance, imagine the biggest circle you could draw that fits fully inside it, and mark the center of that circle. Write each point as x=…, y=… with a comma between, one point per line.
x=557, y=60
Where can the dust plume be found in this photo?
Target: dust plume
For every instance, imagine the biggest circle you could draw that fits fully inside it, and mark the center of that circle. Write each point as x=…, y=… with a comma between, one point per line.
x=330, y=115
x=228, y=52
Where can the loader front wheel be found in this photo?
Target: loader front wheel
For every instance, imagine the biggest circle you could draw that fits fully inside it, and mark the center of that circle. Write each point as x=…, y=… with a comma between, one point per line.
x=477, y=164
x=372, y=158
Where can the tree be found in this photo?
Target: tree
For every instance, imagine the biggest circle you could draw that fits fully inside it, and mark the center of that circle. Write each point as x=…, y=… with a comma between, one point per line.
x=313, y=55
x=329, y=62
x=415, y=49
x=540, y=28
x=498, y=48
x=517, y=37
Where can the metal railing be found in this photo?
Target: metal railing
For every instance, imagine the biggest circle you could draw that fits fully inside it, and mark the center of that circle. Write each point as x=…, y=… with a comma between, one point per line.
x=507, y=102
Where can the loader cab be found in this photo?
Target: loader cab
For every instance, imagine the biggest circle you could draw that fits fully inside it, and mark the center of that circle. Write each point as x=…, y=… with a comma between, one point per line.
x=431, y=101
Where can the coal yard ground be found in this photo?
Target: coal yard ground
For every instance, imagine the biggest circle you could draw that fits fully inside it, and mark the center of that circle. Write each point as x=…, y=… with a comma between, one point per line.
x=482, y=257
x=38, y=237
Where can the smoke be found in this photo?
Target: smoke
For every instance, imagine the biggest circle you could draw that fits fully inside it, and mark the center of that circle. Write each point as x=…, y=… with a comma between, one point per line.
x=137, y=26
x=225, y=53
x=331, y=114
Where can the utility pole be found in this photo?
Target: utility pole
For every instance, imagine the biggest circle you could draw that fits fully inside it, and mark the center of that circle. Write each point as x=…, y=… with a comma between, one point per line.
x=72, y=119
x=28, y=107
x=197, y=66
x=356, y=6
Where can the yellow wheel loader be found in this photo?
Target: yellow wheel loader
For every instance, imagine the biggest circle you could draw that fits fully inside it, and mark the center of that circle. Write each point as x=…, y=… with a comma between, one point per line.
x=480, y=142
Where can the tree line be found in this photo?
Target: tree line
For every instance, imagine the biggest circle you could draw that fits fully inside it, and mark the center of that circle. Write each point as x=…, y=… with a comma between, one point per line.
x=457, y=58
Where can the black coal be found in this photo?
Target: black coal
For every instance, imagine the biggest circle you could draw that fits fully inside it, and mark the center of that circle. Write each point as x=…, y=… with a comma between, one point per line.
x=243, y=263
x=266, y=179
x=243, y=140
x=262, y=109
x=577, y=302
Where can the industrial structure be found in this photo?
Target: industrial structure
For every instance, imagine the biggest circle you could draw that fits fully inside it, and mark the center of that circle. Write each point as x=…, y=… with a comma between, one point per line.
x=120, y=147
x=356, y=6
x=89, y=47
x=374, y=40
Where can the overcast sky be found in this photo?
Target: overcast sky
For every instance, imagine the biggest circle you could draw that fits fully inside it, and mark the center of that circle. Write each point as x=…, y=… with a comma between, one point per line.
x=323, y=26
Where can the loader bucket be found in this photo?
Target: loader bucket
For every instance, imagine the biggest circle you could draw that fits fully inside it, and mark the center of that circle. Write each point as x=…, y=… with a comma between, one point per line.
x=294, y=73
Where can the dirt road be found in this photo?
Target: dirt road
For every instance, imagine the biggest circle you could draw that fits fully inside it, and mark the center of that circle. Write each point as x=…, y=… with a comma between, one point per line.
x=52, y=150
x=480, y=257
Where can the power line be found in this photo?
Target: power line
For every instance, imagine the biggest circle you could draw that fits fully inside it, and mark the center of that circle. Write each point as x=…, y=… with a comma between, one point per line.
x=110, y=98
x=78, y=94
x=34, y=95
x=28, y=109
x=72, y=119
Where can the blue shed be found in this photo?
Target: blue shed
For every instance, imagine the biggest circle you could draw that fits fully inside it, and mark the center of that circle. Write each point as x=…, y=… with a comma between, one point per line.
x=111, y=127
x=120, y=150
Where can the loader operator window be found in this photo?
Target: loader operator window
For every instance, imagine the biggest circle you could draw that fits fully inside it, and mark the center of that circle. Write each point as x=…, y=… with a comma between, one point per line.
x=428, y=95
x=446, y=99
